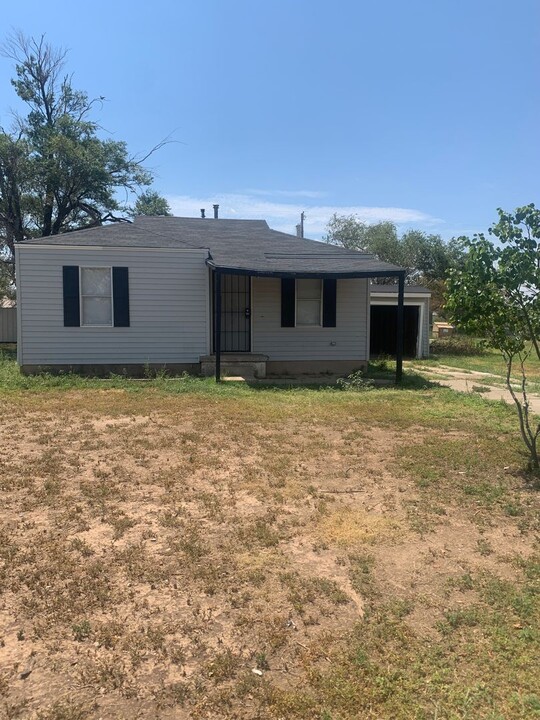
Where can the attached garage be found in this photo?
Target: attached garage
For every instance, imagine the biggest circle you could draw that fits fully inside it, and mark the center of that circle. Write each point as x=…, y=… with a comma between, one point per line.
x=383, y=320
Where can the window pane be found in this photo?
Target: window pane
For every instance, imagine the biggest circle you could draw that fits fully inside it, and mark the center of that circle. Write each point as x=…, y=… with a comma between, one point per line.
x=96, y=311
x=308, y=289
x=96, y=281
x=308, y=312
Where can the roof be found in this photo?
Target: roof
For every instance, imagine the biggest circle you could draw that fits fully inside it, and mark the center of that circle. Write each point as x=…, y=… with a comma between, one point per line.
x=393, y=290
x=244, y=246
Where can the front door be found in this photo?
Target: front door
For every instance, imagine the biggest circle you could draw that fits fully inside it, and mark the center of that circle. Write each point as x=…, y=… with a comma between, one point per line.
x=235, y=313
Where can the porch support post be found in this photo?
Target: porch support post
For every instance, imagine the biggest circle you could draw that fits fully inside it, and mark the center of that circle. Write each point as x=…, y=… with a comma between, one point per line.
x=399, y=334
x=217, y=323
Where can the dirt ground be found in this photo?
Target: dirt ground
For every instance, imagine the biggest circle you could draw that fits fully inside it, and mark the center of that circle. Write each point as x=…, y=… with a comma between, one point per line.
x=173, y=557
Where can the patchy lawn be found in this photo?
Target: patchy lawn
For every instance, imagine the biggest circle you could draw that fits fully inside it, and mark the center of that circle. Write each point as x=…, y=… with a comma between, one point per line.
x=169, y=549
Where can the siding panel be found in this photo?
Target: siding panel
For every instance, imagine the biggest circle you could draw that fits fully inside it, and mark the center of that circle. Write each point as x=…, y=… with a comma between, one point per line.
x=168, y=308
x=346, y=341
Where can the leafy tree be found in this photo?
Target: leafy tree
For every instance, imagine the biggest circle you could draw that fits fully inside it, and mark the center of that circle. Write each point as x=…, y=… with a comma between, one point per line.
x=350, y=232
x=56, y=173
x=151, y=203
x=496, y=294
x=427, y=258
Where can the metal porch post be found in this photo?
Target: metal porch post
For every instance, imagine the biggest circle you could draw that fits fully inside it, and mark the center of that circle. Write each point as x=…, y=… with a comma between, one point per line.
x=399, y=334
x=217, y=323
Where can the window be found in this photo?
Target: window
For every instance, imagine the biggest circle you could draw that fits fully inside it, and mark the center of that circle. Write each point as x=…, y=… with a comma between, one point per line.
x=96, y=296
x=308, y=302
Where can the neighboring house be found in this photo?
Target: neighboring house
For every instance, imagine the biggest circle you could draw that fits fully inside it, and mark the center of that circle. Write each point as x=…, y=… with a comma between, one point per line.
x=383, y=320
x=197, y=295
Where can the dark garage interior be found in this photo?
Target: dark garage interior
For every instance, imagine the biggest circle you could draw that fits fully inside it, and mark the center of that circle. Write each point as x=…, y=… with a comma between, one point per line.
x=384, y=328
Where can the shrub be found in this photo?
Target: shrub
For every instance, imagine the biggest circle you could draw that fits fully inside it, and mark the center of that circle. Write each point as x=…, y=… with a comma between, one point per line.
x=457, y=345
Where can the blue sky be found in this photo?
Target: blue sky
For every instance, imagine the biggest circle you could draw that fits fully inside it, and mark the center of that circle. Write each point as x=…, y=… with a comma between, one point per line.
x=423, y=112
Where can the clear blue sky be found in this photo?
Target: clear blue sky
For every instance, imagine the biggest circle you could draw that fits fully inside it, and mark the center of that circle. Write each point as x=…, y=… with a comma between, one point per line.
x=425, y=112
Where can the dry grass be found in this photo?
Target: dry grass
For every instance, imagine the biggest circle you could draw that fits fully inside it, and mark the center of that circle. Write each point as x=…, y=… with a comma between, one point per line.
x=159, y=543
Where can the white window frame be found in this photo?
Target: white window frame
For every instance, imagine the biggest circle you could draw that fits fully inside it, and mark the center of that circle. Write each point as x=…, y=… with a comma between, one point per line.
x=81, y=305
x=301, y=325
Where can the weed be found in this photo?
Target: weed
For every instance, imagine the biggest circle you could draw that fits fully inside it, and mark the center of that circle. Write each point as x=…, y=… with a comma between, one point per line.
x=224, y=666
x=480, y=389
x=355, y=381
x=81, y=630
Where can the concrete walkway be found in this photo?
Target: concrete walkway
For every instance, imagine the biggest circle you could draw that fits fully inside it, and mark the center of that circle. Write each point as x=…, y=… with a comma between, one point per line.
x=464, y=381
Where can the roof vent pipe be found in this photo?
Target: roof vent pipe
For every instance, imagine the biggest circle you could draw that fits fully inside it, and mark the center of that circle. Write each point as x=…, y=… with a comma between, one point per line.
x=202, y=213
x=216, y=211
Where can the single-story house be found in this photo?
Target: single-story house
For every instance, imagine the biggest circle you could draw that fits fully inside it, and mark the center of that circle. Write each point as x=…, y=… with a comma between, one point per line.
x=196, y=295
x=416, y=320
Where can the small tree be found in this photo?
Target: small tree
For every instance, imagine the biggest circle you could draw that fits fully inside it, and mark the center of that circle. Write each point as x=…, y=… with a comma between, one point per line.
x=497, y=295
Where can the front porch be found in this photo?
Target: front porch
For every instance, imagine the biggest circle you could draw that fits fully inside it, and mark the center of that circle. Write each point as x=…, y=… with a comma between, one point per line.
x=259, y=329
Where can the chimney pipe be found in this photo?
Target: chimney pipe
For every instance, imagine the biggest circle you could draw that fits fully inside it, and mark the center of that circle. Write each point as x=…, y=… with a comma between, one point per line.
x=202, y=213
x=299, y=230
x=216, y=212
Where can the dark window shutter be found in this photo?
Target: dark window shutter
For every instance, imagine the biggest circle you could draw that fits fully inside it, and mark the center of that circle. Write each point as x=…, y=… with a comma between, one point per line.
x=329, y=303
x=72, y=311
x=121, y=296
x=288, y=298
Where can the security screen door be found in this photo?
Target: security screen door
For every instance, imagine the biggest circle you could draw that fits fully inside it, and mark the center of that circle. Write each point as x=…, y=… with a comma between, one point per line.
x=235, y=313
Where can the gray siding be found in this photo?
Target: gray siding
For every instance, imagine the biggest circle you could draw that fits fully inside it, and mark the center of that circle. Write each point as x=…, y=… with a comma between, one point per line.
x=310, y=343
x=8, y=325
x=168, y=307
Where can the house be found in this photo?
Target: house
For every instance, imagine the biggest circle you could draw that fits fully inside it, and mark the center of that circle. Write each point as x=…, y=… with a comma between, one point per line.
x=416, y=320
x=195, y=295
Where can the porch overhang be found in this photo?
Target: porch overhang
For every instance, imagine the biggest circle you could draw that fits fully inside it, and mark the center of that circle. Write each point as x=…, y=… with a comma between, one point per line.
x=375, y=269
x=384, y=270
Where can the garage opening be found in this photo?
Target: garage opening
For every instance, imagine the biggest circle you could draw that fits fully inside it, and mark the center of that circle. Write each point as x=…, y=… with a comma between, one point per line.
x=383, y=330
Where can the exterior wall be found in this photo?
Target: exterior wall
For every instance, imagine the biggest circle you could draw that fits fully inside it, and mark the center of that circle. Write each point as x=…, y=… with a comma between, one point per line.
x=8, y=325
x=347, y=341
x=423, y=302
x=169, y=316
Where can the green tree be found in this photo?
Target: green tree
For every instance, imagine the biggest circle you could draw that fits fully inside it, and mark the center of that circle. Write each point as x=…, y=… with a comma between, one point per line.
x=151, y=203
x=350, y=232
x=426, y=258
x=56, y=173
x=496, y=295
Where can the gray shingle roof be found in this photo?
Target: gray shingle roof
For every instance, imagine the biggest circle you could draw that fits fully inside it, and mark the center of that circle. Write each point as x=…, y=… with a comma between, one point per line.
x=244, y=245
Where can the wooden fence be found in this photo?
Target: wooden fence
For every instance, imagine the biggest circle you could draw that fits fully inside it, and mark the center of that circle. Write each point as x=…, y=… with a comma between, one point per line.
x=8, y=325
